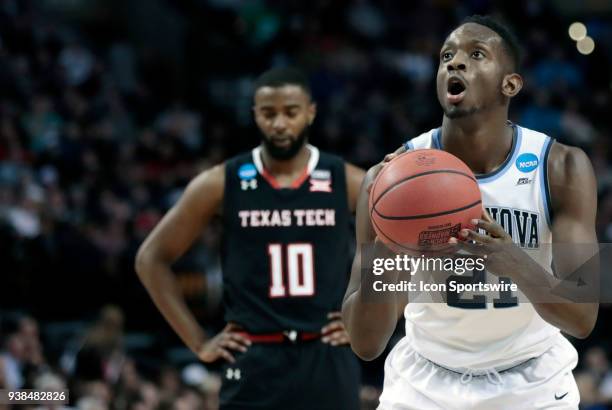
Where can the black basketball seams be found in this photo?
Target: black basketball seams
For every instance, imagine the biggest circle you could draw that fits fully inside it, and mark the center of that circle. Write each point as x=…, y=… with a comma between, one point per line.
x=422, y=216
x=389, y=239
x=434, y=251
x=401, y=181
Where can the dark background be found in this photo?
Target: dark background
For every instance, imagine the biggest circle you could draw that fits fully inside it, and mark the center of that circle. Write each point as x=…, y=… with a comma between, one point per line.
x=108, y=109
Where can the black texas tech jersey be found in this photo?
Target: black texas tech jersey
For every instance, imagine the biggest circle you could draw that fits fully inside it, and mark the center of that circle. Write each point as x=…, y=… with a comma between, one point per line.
x=285, y=251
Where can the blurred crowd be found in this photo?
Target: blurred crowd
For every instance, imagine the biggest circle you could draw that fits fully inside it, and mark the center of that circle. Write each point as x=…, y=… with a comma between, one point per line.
x=105, y=116
x=96, y=370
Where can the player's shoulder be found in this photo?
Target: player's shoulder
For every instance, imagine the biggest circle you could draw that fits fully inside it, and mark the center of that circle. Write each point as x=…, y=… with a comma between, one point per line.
x=531, y=134
x=240, y=159
x=565, y=161
x=562, y=161
x=207, y=179
x=423, y=140
x=326, y=157
x=205, y=189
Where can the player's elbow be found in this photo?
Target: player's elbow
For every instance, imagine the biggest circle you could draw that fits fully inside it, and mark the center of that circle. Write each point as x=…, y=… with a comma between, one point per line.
x=583, y=330
x=364, y=345
x=367, y=351
x=143, y=262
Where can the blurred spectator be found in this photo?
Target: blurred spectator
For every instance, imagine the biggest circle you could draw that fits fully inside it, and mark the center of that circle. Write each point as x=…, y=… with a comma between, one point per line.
x=598, y=366
x=13, y=360
x=589, y=397
x=102, y=355
x=77, y=63
x=99, y=136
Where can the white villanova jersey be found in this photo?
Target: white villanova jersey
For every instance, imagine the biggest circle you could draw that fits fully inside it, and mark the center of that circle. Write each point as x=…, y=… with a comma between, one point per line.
x=499, y=332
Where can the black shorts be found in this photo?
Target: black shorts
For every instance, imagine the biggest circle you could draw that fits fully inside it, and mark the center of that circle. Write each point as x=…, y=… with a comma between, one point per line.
x=308, y=375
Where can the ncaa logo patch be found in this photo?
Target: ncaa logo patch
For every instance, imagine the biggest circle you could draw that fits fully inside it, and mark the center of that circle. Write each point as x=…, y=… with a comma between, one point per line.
x=247, y=174
x=247, y=171
x=527, y=162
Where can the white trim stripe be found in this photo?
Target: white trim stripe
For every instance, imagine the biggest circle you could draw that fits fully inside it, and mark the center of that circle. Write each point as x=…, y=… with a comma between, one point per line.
x=312, y=161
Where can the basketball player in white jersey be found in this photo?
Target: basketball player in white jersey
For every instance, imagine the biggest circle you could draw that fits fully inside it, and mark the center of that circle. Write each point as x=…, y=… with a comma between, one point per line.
x=536, y=191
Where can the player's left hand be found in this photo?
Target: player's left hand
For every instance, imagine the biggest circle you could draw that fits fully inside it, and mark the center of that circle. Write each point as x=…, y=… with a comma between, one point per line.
x=495, y=244
x=334, y=332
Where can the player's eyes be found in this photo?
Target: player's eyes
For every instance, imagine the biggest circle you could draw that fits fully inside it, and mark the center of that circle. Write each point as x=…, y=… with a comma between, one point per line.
x=478, y=54
x=447, y=55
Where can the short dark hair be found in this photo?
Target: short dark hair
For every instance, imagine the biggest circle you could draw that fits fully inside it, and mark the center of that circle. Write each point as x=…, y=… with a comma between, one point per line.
x=509, y=39
x=280, y=76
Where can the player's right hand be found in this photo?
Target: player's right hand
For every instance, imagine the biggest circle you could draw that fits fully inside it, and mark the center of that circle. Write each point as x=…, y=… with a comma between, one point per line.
x=222, y=345
x=389, y=157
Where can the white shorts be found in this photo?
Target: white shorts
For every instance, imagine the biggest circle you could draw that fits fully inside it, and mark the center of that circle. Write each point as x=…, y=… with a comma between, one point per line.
x=545, y=382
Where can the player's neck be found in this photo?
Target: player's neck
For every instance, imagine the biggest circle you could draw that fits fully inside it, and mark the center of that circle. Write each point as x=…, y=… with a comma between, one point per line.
x=482, y=143
x=287, y=167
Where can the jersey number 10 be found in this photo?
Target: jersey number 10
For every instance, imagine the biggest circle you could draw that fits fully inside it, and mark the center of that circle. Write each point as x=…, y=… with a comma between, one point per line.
x=299, y=267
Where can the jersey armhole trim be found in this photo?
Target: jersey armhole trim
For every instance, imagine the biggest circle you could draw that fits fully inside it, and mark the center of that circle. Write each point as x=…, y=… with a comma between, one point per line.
x=544, y=185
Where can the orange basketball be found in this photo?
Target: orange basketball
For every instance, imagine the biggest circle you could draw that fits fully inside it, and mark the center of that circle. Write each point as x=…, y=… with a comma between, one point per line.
x=423, y=197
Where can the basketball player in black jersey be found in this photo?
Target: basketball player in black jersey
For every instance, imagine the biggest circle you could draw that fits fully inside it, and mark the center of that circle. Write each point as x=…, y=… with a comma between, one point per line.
x=477, y=77
x=285, y=208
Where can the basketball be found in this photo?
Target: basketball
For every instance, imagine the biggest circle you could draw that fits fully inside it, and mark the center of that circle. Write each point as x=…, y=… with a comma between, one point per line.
x=421, y=198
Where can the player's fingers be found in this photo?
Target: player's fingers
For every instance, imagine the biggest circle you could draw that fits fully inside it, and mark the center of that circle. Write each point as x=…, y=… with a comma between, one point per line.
x=240, y=339
x=232, y=327
x=389, y=157
x=334, y=315
x=470, y=248
x=332, y=336
x=486, y=216
x=331, y=327
x=490, y=226
x=339, y=338
x=226, y=355
x=340, y=341
x=475, y=236
x=233, y=345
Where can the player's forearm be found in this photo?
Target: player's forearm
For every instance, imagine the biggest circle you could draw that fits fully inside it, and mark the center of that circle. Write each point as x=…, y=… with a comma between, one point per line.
x=159, y=280
x=369, y=324
x=575, y=319
x=553, y=302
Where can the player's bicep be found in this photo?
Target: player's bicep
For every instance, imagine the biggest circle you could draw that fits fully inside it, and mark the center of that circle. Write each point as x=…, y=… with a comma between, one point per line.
x=364, y=232
x=363, y=225
x=354, y=179
x=573, y=189
x=186, y=220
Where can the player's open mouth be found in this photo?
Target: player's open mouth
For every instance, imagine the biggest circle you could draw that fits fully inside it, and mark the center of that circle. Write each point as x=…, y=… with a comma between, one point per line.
x=456, y=90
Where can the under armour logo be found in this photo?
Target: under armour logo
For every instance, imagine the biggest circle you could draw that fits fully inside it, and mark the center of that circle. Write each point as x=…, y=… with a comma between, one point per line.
x=248, y=184
x=232, y=374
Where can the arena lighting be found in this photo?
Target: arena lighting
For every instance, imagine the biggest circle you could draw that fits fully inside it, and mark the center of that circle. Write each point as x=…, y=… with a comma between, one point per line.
x=577, y=31
x=585, y=46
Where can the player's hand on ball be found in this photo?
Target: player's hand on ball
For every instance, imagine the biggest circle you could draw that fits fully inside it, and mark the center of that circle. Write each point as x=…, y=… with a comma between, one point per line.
x=334, y=332
x=380, y=165
x=222, y=345
x=495, y=244
x=389, y=157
